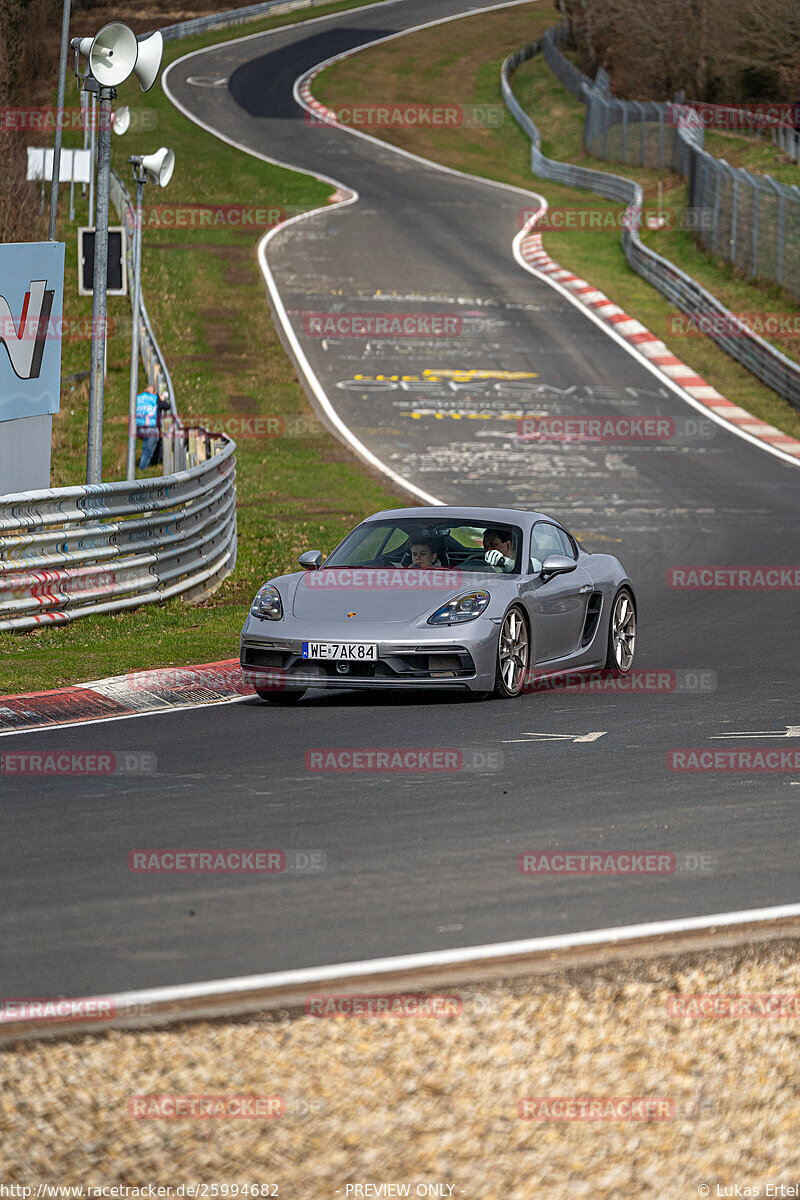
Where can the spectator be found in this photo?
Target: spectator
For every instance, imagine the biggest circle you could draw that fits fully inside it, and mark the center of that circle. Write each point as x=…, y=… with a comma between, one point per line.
x=149, y=406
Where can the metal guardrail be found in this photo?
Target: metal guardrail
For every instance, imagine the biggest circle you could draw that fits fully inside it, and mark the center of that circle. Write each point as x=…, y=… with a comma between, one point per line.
x=235, y=16
x=68, y=552
x=766, y=362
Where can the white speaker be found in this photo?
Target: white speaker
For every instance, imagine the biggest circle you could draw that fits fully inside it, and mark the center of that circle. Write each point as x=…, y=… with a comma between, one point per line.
x=151, y=48
x=112, y=54
x=121, y=119
x=159, y=166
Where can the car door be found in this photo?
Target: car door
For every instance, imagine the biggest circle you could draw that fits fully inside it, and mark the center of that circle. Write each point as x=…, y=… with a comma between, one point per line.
x=557, y=605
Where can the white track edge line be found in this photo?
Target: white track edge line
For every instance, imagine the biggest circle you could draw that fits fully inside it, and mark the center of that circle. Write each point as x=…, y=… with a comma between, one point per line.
x=443, y=958
x=313, y=380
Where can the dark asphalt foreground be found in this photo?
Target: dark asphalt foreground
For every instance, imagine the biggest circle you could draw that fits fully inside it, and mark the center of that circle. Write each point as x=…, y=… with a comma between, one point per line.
x=425, y=861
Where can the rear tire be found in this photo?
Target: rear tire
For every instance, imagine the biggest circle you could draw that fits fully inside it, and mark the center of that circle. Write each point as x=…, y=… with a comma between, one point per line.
x=513, y=655
x=621, y=633
x=283, y=699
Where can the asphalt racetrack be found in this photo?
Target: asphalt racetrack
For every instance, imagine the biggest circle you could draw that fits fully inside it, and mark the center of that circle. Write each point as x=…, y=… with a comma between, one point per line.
x=414, y=861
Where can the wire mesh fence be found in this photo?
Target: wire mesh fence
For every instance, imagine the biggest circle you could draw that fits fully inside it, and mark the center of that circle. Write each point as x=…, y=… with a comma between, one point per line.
x=752, y=221
x=765, y=361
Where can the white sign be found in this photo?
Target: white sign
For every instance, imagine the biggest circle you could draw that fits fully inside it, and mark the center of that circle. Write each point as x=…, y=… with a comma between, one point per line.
x=75, y=165
x=31, y=297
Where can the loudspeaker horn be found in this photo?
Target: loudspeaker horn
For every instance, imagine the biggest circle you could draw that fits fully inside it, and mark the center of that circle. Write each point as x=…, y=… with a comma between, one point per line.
x=159, y=166
x=121, y=119
x=112, y=54
x=151, y=48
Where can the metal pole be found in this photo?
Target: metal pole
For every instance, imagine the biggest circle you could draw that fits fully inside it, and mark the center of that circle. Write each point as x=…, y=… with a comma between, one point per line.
x=72, y=189
x=94, y=447
x=135, y=300
x=62, y=79
x=85, y=122
x=92, y=136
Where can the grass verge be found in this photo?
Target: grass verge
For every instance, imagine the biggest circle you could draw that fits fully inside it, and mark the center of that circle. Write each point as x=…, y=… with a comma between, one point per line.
x=207, y=303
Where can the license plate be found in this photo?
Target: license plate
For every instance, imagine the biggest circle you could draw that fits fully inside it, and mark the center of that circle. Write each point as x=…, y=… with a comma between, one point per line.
x=342, y=651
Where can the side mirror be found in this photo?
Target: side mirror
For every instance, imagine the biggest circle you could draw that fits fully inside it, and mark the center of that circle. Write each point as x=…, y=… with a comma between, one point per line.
x=311, y=560
x=557, y=564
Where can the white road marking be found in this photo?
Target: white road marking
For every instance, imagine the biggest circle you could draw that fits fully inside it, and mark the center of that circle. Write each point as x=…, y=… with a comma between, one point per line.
x=791, y=731
x=556, y=737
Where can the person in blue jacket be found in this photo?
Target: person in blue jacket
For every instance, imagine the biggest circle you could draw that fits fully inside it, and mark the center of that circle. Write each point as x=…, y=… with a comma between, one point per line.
x=148, y=410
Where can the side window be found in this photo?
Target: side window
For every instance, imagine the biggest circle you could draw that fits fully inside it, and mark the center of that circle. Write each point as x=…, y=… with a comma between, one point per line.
x=548, y=539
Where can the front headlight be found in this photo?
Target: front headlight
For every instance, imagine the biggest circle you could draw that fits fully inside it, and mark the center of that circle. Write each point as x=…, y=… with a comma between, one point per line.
x=267, y=604
x=460, y=609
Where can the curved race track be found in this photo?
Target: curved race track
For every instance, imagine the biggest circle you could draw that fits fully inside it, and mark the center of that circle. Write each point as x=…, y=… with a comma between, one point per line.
x=427, y=861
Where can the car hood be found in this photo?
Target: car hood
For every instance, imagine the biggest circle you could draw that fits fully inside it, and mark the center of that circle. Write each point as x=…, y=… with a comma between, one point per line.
x=378, y=594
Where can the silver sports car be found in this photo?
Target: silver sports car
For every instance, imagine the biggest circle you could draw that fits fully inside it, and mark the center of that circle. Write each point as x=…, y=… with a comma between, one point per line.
x=477, y=599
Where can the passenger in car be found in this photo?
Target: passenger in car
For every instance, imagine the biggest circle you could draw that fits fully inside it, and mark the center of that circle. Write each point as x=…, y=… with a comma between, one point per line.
x=425, y=556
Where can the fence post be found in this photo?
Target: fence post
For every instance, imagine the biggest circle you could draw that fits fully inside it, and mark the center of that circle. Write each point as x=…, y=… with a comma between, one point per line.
x=624, y=133
x=754, y=267
x=781, y=222
x=660, y=135
x=718, y=172
x=734, y=216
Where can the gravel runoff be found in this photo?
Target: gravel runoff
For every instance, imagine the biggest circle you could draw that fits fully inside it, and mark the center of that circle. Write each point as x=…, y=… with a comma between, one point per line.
x=372, y=1107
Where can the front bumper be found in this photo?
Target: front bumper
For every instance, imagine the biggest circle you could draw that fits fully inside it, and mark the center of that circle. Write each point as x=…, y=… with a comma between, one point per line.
x=464, y=664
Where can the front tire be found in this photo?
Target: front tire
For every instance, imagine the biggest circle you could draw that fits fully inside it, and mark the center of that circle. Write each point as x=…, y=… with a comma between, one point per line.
x=513, y=655
x=621, y=633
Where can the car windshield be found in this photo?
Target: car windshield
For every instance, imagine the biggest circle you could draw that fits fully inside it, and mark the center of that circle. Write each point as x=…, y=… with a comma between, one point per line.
x=414, y=543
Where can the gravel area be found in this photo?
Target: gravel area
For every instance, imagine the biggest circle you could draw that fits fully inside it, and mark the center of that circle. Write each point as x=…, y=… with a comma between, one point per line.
x=370, y=1107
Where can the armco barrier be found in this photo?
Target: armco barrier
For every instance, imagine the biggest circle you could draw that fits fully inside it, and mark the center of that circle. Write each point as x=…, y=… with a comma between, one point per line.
x=769, y=365
x=68, y=552
x=235, y=16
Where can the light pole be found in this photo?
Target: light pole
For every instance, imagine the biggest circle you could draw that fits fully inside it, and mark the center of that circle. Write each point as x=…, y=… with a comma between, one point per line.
x=62, y=79
x=113, y=55
x=157, y=168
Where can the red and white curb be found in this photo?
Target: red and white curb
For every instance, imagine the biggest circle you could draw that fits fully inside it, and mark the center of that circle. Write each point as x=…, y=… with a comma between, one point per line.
x=133, y=694
x=531, y=250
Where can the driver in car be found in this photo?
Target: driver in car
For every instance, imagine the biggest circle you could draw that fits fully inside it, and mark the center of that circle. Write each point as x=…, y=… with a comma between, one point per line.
x=498, y=550
x=498, y=553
